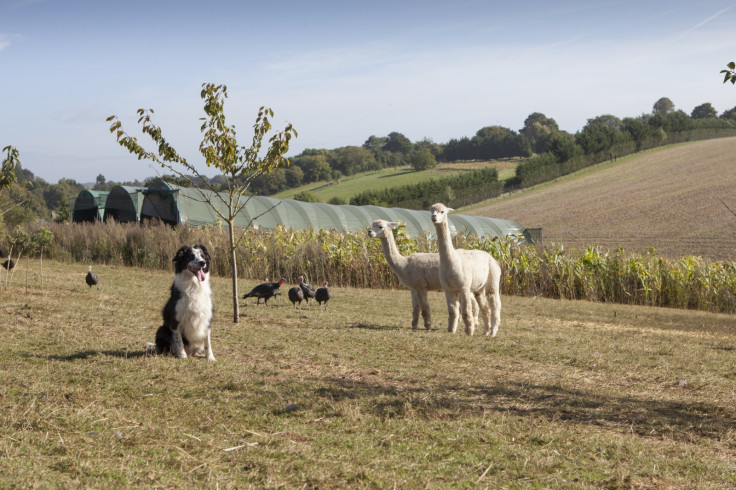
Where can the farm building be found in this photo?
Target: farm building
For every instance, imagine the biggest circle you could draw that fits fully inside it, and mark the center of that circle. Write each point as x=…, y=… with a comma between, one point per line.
x=89, y=206
x=173, y=205
x=124, y=204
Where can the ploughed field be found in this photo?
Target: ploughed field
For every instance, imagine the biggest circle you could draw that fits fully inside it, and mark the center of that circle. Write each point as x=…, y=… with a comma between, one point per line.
x=664, y=199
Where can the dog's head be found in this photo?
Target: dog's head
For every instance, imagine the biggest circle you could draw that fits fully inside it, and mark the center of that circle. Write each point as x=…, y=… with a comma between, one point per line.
x=194, y=259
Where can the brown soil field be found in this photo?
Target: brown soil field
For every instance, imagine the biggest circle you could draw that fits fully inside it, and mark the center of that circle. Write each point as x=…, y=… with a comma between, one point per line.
x=665, y=199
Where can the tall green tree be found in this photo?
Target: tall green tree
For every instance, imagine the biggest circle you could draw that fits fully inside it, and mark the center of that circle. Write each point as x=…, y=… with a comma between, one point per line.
x=239, y=165
x=663, y=106
x=422, y=159
x=538, y=129
x=704, y=111
x=398, y=143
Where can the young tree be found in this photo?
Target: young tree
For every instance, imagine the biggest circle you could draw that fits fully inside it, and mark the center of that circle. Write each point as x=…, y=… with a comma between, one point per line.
x=239, y=165
x=9, y=177
x=730, y=74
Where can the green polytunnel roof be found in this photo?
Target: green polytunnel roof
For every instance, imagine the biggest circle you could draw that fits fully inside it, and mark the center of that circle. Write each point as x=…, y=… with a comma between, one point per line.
x=124, y=204
x=176, y=205
x=89, y=206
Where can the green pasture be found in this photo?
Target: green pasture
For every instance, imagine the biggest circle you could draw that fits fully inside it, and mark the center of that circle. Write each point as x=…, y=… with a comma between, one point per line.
x=388, y=177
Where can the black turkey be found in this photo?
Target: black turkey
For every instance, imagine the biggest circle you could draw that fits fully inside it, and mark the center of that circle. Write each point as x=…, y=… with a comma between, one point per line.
x=307, y=289
x=8, y=264
x=265, y=291
x=92, y=279
x=296, y=295
x=322, y=295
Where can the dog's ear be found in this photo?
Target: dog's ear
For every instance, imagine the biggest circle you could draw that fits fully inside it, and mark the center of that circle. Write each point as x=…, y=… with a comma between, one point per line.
x=180, y=253
x=205, y=252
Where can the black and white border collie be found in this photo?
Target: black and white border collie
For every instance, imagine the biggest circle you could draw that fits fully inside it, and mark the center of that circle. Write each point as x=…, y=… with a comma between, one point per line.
x=189, y=310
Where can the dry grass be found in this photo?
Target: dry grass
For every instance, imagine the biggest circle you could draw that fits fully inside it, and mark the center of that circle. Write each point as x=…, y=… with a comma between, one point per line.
x=663, y=199
x=570, y=394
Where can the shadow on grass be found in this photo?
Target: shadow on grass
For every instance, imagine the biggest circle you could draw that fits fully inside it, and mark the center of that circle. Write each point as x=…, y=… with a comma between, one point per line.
x=94, y=353
x=644, y=417
x=367, y=326
x=405, y=172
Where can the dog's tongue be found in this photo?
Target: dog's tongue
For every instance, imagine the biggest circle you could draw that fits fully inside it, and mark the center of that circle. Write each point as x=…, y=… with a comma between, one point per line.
x=200, y=274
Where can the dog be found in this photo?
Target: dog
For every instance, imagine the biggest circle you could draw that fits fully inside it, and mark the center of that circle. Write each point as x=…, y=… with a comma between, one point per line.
x=188, y=313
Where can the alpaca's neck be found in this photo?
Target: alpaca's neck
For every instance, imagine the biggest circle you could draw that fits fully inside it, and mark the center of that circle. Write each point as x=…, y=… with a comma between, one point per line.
x=394, y=259
x=444, y=242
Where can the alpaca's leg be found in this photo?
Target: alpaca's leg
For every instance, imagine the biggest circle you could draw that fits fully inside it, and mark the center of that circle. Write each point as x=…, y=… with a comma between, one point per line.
x=495, y=298
x=486, y=309
x=453, y=314
x=426, y=311
x=466, y=305
x=476, y=309
x=414, y=310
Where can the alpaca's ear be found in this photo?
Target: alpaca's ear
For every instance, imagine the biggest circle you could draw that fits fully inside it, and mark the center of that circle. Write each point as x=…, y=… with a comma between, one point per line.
x=394, y=224
x=450, y=209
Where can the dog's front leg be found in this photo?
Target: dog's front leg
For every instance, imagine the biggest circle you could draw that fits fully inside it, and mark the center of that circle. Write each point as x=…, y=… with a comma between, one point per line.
x=208, y=347
x=177, y=345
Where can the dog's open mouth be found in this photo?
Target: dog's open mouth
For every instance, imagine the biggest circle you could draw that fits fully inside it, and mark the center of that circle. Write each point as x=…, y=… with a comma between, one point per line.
x=197, y=271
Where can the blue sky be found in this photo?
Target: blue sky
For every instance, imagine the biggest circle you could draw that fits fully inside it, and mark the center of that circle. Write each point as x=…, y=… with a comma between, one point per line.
x=341, y=71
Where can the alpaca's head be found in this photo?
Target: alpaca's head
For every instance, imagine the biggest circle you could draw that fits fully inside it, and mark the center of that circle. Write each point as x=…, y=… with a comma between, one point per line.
x=381, y=228
x=439, y=213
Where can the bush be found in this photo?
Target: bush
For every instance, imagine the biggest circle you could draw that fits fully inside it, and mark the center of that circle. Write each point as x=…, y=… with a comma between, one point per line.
x=306, y=196
x=347, y=259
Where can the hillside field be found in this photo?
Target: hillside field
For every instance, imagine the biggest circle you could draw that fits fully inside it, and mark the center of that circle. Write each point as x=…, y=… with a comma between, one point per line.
x=568, y=395
x=393, y=177
x=663, y=199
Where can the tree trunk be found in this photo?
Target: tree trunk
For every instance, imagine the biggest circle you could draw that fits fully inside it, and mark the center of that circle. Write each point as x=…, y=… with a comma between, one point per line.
x=234, y=263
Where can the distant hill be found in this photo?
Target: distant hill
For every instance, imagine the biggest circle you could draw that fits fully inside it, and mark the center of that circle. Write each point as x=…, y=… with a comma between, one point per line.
x=664, y=198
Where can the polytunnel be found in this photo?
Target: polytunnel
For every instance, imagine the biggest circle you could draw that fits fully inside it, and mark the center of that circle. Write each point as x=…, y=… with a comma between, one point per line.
x=175, y=205
x=160, y=201
x=89, y=206
x=124, y=204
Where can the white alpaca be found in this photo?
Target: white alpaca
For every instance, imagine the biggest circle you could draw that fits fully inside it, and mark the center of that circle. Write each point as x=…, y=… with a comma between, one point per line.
x=420, y=272
x=467, y=273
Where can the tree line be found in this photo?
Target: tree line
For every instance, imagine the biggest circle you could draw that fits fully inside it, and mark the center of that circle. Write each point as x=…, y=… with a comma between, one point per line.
x=548, y=152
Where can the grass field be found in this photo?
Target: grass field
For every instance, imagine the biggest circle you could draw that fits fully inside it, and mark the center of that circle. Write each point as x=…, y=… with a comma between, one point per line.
x=393, y=177
x=569, y=395
x=666, y=199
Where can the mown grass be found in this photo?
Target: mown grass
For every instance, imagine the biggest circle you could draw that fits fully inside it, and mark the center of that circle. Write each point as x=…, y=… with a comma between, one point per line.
x=348, y=187
x=569, y=395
